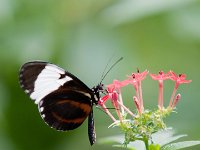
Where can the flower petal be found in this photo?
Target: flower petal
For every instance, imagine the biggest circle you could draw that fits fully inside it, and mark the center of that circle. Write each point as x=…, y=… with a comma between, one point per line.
x=103, y=100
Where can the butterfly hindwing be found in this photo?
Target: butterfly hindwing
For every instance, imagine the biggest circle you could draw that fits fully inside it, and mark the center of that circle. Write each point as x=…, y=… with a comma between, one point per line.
x=65, y=109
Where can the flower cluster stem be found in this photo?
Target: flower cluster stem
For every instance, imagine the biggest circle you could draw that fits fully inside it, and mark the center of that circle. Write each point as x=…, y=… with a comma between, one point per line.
x=146, y=142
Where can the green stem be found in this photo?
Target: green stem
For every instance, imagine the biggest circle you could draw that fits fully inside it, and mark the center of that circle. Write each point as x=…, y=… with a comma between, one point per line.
x=146, y=143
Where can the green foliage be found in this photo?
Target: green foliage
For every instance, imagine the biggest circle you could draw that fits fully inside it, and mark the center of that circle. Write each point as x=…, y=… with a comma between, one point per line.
x=164, y=140
x=180, y=145
x=154, y=147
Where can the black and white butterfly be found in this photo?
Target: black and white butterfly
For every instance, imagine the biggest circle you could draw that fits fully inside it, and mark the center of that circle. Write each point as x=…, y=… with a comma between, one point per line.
x=64, y=101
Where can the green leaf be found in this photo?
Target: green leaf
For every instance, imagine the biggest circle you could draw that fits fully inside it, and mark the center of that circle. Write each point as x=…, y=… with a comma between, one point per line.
x=154, y=147
x=165, y=136
x=121, y=146
x=112, y=139
x=139, y=145
x=180, y=145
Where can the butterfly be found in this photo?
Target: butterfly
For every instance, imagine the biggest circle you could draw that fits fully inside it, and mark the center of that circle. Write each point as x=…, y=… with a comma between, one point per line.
x=64, y=101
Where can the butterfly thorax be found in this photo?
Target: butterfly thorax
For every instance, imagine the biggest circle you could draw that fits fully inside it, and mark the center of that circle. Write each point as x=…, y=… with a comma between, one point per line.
x=97, y=90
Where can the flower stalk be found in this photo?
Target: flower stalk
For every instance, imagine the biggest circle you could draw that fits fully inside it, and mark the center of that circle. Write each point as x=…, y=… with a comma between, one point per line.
x=146, y=142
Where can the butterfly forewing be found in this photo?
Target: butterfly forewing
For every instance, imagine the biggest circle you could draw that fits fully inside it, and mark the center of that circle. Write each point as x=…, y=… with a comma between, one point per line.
x=63, y=100
x=28, y=74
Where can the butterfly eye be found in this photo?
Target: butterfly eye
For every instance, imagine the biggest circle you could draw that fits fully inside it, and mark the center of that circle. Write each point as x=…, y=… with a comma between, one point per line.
x=102, y=85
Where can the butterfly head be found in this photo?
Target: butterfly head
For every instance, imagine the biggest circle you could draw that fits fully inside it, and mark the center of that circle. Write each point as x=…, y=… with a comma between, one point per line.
x=97, y=90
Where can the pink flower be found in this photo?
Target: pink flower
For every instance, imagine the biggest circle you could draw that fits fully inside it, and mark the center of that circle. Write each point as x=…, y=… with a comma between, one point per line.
x=113, y=96
x=103, y=100
x=117, y=85
x=110, y=90
x=135, y=80
x=179, y=79
x=160, y=77
x=113, y=92
x=137, y=77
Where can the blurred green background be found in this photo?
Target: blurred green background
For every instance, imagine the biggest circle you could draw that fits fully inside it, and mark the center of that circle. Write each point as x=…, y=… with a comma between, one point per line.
x=81, y=36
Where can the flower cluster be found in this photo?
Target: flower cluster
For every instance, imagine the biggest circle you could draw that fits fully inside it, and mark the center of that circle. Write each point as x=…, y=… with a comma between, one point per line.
x=144, y=123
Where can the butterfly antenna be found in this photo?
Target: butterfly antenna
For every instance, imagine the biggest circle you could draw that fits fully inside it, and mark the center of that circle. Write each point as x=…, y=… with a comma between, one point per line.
x=104, y=75
x=106, y=67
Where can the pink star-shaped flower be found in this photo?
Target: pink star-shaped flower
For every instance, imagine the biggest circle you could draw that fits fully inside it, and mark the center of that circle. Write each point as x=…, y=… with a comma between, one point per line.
x=179, y=78
x=160, y=76
x=135, y=79
x=117, y=85
x=112, y=94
